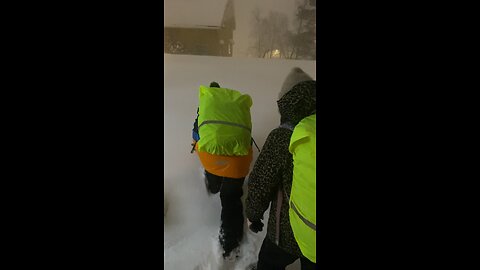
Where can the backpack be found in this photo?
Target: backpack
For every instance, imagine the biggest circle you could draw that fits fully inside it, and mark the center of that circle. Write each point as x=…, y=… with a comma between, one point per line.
x=302, y=201
x=224, y=122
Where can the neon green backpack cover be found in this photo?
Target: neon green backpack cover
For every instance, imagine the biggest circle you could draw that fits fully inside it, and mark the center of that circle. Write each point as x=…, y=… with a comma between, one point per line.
x=302, y=202
x=224, y=121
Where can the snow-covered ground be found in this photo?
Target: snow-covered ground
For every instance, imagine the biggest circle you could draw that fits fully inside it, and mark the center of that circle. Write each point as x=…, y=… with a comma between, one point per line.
x=193, y=218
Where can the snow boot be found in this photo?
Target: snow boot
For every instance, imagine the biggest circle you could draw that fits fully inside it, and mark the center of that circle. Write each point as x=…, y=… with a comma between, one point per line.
x=232, y=255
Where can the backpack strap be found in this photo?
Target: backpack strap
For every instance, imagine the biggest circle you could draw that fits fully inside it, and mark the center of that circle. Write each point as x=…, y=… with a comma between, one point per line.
x=277, y=214
x=255, y=144
x=193, y=147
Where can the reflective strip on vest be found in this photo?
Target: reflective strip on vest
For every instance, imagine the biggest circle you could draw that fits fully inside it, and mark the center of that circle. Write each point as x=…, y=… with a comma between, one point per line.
x=308, y=223
x=224, y=115
x=224, y=123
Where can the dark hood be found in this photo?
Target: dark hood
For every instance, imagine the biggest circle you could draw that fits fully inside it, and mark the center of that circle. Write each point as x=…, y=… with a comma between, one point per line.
x=298, y=103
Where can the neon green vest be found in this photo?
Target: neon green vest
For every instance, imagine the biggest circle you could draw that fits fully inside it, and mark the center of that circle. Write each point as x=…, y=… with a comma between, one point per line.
x=224, y=122
x=302, y=210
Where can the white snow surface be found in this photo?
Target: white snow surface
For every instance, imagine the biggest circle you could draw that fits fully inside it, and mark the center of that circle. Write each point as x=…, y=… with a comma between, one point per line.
x=192, y=220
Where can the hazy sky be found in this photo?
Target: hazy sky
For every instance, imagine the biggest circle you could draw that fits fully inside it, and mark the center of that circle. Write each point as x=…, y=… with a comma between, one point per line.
x=177, y=10
x=243, y=16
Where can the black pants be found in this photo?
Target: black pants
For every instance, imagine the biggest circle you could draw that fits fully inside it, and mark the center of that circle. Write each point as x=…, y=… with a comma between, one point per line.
x=231, y=230
x=272, y=257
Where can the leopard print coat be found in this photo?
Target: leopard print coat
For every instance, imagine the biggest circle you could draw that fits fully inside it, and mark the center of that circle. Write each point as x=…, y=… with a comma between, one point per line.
x=273, y=170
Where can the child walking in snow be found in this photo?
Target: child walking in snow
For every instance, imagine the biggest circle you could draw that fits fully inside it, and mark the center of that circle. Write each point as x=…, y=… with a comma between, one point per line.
x=222, y=140
x=270, y=181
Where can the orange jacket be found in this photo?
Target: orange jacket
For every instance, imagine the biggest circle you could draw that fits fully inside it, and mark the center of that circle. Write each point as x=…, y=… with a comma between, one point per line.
x=226, y=166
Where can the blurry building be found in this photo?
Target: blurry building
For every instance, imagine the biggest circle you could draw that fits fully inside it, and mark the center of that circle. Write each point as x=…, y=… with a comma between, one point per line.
x=199, y=27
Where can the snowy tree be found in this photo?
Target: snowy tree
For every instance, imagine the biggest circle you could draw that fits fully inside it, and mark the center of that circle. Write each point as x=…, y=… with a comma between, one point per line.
x=304, y=40
x=271, y=36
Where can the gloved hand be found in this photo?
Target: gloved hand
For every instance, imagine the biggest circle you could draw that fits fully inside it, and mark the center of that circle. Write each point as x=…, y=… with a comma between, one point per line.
x=255, y=226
